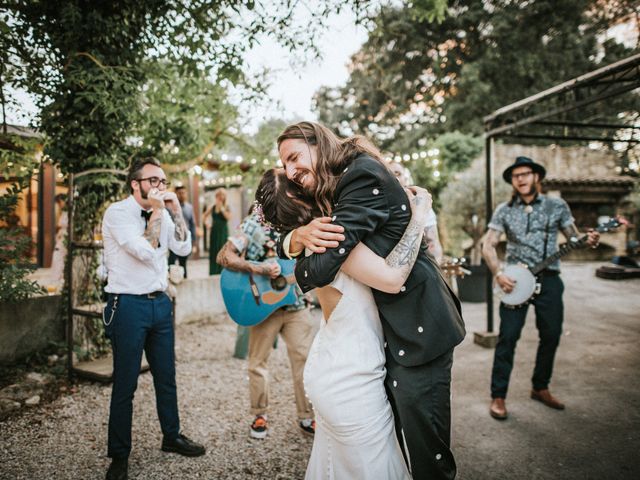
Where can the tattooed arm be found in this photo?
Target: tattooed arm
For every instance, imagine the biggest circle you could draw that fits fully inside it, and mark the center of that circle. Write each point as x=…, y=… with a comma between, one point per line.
x=152, y=233
x=390, y=274
x=490, y=255
x=154, y=225
x=571, y=233
x=231, y=259
x=181, y=225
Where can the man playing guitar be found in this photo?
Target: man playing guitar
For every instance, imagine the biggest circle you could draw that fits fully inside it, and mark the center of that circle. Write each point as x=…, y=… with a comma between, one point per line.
x=531, y=222
x=249, y=251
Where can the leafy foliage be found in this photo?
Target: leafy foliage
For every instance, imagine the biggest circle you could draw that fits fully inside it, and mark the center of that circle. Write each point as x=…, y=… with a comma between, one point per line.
x=182, y=116
x=106, y=75
x=463, y=211
x=17, y=162
x=414, y=75
x=455, y=152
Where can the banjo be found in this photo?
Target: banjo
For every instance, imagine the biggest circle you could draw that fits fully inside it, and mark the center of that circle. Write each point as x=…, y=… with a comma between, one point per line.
x=527, y=282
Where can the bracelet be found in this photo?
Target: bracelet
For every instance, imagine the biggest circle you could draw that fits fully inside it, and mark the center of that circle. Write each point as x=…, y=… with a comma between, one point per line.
x=498, y=273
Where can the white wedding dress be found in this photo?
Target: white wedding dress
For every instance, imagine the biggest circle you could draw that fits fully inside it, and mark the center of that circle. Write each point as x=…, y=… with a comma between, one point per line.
x=344, y=379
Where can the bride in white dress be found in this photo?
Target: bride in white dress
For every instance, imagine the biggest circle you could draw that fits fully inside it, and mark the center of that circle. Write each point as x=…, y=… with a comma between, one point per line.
x=344, y=379
x=344, y=375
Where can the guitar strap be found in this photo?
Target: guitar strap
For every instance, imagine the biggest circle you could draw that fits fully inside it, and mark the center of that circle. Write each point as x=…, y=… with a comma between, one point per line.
x=254, y=290
x=546, y=229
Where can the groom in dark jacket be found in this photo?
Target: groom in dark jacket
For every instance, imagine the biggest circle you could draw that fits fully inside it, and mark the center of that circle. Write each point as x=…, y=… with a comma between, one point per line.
x=363, y=202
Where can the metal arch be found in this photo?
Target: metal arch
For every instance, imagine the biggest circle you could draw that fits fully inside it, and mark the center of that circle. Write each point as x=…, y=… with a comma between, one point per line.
x=72, y=246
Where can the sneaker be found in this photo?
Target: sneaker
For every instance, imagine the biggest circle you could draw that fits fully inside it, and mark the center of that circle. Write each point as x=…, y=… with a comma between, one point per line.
x=308, y=426
x=259, y=427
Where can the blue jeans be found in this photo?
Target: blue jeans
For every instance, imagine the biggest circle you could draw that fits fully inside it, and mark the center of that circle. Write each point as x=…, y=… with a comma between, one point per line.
x=141, y=323
x=549, y=314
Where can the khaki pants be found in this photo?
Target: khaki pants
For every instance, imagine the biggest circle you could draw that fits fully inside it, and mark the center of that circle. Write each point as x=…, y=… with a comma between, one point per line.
x=297, y=331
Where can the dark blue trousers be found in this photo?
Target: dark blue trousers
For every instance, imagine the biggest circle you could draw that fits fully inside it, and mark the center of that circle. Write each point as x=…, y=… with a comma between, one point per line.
x=141, y=323
x=549, y=314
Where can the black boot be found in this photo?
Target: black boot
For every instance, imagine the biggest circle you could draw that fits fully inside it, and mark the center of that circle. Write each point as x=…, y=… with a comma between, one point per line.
x=183, y=446
x=118, y=470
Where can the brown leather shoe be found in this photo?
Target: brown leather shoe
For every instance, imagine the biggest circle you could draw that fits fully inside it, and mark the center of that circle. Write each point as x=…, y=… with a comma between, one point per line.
x=498, y=409
x=545, y=397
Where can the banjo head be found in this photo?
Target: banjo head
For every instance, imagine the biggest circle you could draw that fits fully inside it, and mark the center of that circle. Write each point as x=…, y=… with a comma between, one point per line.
x=525, y=285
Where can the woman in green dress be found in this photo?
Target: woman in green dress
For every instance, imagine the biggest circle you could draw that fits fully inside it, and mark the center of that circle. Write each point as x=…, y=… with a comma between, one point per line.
x=220, y=215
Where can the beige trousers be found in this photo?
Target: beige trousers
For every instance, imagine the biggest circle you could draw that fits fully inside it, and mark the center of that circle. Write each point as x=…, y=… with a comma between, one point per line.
x=297, y=331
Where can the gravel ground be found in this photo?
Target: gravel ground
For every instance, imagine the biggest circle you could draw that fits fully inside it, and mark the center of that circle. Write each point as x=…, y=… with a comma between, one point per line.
x=595, y=438
x=66, y=439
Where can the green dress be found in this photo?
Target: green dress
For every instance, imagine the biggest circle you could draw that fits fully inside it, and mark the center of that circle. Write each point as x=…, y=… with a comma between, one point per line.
x=218, y=237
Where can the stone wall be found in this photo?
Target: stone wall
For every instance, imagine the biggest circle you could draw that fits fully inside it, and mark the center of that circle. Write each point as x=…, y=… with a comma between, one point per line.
x=199, y=299
x=29, y=326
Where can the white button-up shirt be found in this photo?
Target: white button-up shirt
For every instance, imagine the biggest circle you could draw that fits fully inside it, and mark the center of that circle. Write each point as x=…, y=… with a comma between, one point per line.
x=133, y=265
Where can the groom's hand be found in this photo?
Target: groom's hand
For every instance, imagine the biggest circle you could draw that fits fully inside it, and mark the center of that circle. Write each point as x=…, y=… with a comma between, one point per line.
x=317, y=236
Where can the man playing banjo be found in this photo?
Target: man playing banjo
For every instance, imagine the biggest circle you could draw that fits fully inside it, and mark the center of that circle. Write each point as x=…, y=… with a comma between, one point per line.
x=531, y=222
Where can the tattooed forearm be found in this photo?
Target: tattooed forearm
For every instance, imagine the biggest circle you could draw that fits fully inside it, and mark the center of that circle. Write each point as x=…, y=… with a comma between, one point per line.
x=404, y=254
x=571, y=232
x=181, y=226
x=229, y=258
x=152, y=233
x=489, y=252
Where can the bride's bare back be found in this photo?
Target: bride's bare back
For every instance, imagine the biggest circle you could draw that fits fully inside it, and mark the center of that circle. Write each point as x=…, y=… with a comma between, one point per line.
x=328, y=298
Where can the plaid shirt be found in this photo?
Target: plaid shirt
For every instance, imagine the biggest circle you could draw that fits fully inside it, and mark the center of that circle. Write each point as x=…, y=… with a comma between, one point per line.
x=525, y=228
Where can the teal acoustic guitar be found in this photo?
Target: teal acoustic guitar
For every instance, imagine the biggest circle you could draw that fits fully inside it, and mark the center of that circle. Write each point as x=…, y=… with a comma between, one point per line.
x=252, y=298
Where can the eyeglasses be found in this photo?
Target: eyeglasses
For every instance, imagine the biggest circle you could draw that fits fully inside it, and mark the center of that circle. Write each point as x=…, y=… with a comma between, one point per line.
x=154, y=181
x=518, y=176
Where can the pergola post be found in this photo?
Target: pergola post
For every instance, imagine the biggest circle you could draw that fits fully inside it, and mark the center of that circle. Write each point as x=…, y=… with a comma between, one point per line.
x=488, y=212
x=488, y=338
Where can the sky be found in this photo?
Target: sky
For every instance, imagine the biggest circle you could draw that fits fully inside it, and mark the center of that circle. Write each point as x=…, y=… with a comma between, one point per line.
x=291, y=89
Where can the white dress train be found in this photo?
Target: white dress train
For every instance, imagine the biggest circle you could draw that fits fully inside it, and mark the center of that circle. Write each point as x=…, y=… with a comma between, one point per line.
x=344, y=379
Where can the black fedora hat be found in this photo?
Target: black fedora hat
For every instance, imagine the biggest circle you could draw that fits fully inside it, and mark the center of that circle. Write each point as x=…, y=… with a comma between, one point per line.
x=524, y=162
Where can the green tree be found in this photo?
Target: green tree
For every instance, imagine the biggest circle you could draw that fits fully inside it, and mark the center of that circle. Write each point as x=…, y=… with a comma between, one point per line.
x=183, y=115
x=415, y=75
x=88, y=63
x=462, y=217
x=447, y=155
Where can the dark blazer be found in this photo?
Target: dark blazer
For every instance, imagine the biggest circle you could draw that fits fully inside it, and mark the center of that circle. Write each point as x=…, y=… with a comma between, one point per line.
x=421, y=322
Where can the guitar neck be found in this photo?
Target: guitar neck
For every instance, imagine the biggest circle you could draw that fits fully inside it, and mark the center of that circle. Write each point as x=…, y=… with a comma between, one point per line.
x=562, y=251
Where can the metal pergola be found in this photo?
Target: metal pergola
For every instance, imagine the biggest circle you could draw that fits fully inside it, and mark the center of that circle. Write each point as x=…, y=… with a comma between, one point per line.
x=573, y=111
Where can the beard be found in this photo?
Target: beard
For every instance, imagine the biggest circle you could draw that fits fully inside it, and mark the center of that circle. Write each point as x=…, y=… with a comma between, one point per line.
x=532, y=190
x=144, y=194
x=309, y=191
